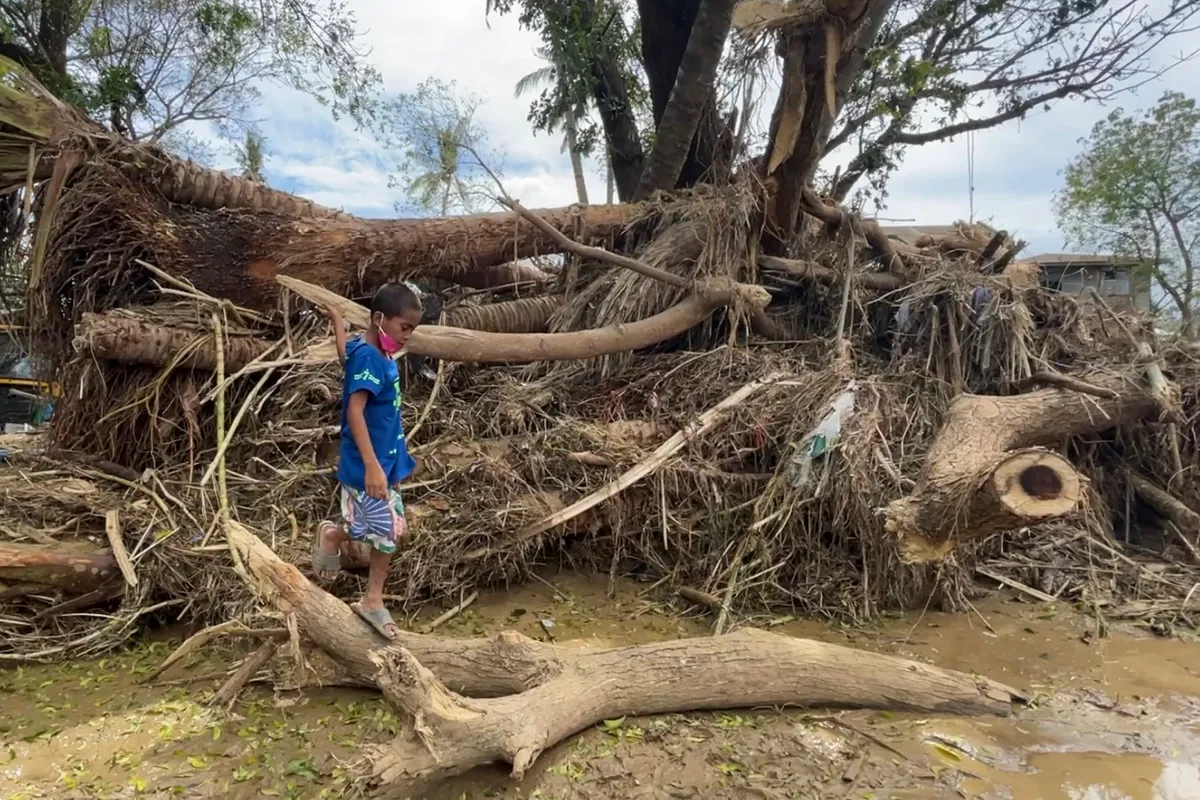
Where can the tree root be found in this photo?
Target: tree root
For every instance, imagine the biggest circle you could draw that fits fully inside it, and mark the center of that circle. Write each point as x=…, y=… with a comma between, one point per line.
x=525, y=696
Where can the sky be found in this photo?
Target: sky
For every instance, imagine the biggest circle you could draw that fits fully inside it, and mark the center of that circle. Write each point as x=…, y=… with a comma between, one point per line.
x=1017, y=166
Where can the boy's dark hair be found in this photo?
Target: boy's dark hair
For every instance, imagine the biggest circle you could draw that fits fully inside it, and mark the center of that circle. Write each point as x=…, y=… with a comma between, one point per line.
x=394, y=299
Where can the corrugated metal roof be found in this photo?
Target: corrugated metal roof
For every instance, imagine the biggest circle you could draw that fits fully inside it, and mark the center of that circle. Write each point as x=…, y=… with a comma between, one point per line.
x=1083, y=259
x=909, y=234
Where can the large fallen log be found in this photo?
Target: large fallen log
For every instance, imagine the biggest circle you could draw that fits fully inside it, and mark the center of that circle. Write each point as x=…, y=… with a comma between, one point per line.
x=351, y=254
x=117, y=336
x=265, y=232
x=986, y=472
x=545, y=693
x=72, y=570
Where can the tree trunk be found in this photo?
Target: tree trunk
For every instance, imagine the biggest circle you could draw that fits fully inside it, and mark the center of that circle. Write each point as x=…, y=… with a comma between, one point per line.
x=666, y=27
x=191, y=184
x=576, y=159
x=547, y=693
x=983, y=474
x=499, y=275
x=238, y=256
x=71, y=570
x=609, y=184
x=54, y=32
x=119, y=337
x=611, y=94
x=691, y=93
x=526, y=315
x=819, y=66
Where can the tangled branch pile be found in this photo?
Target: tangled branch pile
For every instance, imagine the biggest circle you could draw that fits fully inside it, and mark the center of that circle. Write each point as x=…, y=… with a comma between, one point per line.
x=802, y=432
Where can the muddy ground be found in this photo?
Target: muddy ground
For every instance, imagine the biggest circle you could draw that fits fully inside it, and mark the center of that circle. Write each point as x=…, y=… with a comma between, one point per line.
x=1113, y=717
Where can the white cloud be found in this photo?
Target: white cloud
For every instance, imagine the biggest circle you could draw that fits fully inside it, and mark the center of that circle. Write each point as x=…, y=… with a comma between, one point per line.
x=1016, y=166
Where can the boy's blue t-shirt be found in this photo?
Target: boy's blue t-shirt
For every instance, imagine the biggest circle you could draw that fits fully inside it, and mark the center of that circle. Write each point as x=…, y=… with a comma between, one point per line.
x=369, y=370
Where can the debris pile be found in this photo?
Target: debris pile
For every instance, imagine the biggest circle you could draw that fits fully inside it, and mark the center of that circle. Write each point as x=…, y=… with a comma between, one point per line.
x=859, y=426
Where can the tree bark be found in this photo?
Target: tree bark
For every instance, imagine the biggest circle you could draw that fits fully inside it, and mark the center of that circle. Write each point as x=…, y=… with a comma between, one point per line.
x=611, y=94
x=500, y=275
x=74, y=571
x=984, y=473
x=819, y=66
x=666, y=27
x=691, y=93
x=878, y=281
x=237, y=256
x=526, y=315
x=547, y=693
x=120, y=336
x=54, y=32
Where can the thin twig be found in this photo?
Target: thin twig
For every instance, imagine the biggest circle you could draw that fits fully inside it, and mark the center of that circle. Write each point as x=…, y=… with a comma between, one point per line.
x=1048, y=378
x=451, y=614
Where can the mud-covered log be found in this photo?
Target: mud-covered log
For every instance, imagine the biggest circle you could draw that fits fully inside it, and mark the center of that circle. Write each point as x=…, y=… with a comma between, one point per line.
x=986, y=472
x=72, y=570
x=499, y=275
x=545, y=693
x=877, y=281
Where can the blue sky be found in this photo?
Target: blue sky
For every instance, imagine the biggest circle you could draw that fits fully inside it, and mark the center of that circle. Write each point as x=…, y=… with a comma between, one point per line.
x=1017, y=166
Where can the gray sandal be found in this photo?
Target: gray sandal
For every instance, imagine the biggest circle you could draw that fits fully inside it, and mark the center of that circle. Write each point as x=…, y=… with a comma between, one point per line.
x=325, y=566
x=377, y=618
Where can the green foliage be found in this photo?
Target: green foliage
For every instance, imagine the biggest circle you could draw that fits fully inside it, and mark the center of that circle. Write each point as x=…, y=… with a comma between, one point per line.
x=447, y=167
x=1135, y=190
x=251, y=157
x=147, y=68
x=572, y=42
x=941, y=68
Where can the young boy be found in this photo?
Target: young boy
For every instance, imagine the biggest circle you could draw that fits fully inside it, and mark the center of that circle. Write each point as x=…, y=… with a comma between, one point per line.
x=373, y=459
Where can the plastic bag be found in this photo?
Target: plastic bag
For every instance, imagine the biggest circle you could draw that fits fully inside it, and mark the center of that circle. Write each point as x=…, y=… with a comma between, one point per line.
x=821, y=439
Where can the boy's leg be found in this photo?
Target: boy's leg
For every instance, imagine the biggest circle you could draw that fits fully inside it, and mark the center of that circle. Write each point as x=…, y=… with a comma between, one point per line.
x=381, y=536
x=330, y=538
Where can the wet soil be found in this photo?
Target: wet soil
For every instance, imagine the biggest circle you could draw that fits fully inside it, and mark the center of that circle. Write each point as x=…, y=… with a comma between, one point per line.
x=1113, y=718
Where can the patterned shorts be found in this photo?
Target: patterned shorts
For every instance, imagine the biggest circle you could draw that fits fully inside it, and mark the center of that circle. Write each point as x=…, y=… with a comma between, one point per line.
x=378, y=523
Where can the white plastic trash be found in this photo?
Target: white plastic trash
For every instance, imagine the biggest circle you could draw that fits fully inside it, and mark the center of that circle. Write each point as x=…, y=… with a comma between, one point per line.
x=823, y=437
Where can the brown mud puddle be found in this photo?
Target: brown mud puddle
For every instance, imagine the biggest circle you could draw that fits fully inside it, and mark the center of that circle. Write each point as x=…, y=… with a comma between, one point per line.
x=1114, y=718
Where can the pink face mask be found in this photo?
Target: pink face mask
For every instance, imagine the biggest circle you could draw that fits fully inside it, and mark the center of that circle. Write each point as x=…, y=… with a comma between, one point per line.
x=386, y=343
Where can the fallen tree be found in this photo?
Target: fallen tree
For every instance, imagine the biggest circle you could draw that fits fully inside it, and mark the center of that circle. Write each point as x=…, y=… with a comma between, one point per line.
x=118, y=336
x=987, y=471
x=70, y=569
x=541, y=693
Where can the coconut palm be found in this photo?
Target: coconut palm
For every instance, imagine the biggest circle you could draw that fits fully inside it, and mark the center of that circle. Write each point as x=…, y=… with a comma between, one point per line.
x=251, y=158
x=567, y=113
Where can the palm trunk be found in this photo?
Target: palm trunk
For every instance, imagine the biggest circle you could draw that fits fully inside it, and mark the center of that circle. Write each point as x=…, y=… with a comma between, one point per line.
x=238, y=255
x=576, y=159
x=610, y=183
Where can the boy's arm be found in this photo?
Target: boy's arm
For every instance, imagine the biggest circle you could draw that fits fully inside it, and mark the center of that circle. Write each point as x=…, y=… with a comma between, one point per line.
x=376, y=481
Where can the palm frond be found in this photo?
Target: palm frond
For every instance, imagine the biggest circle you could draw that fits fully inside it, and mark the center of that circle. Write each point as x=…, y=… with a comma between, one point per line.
x=536, y=80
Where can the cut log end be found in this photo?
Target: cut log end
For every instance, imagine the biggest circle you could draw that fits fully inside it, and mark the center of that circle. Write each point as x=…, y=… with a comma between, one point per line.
x=1037, y=485
x=1023, y=488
